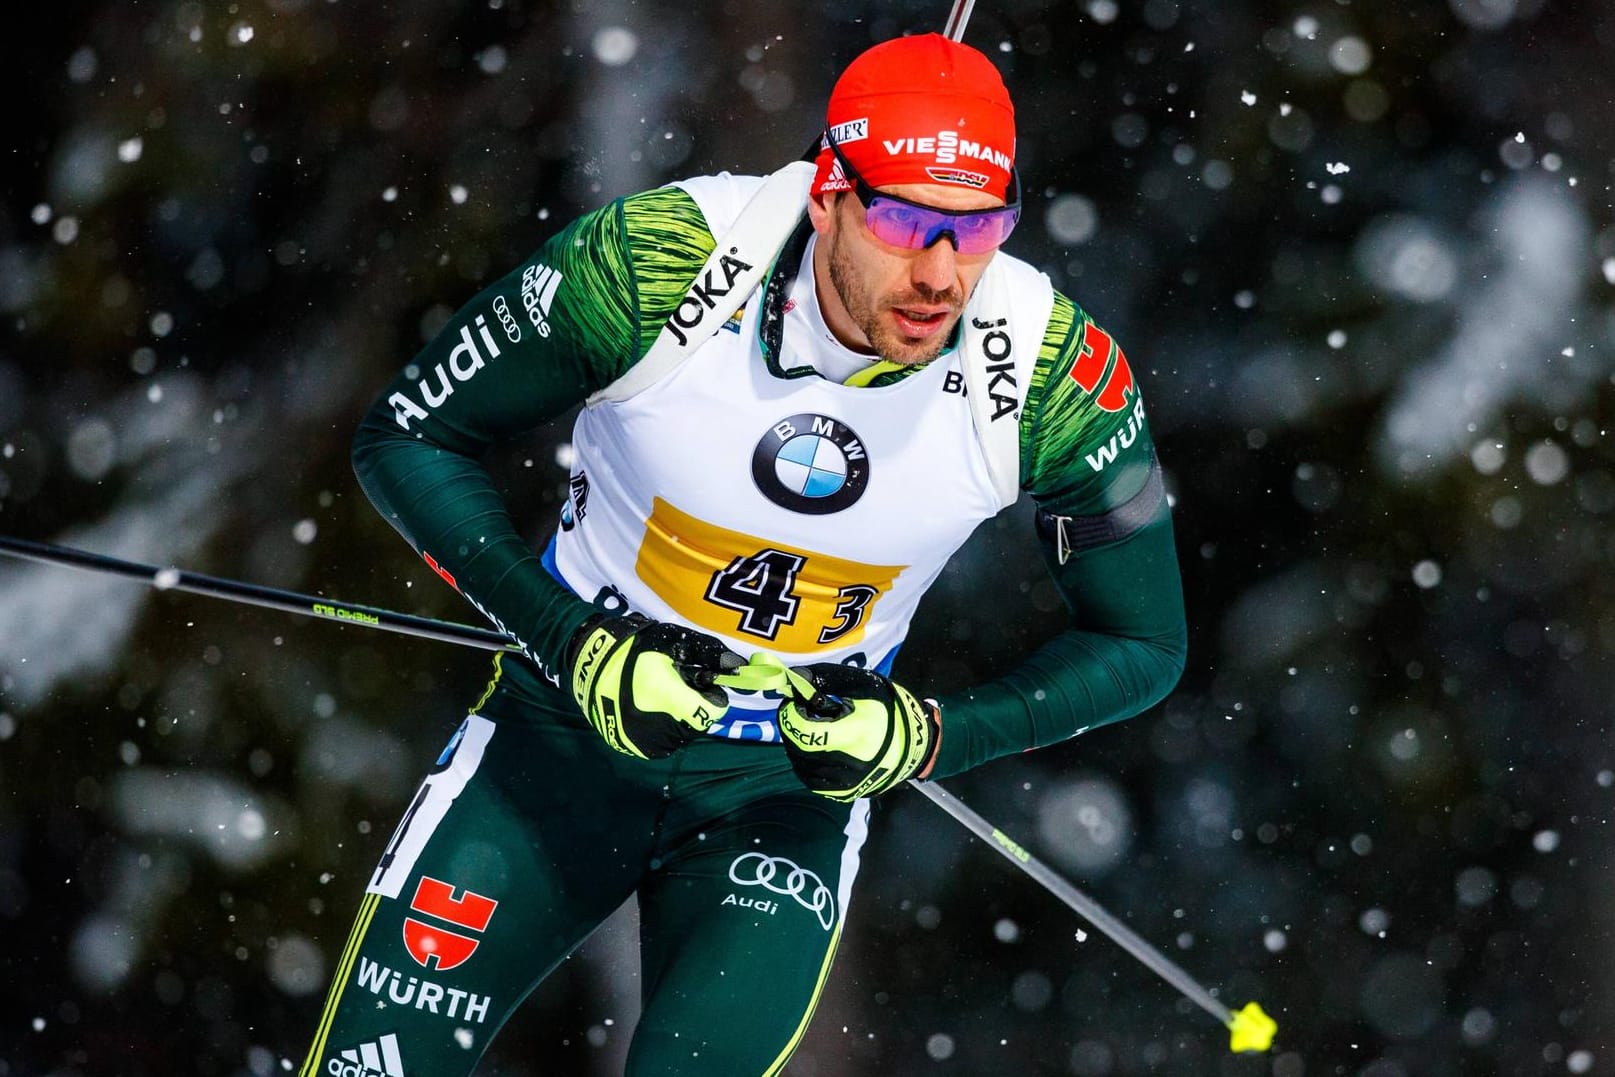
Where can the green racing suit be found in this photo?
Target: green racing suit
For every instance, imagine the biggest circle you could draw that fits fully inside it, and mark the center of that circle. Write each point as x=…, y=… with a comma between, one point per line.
x=507, y=859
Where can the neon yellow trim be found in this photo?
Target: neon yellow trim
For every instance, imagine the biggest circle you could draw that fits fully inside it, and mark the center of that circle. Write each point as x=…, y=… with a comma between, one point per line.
x=789, y=1049
x=760, y=673
x=869, y=373
x=339, y=982
x=493, y=682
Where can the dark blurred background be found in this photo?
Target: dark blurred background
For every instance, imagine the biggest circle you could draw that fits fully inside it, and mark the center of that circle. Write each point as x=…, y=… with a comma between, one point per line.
x=1362, y=257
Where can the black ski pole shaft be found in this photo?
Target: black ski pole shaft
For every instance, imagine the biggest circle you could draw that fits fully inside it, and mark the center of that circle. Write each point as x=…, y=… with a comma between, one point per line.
x=958, y=19
x=1252, y=1029
x=953, y=30
x=173, y=579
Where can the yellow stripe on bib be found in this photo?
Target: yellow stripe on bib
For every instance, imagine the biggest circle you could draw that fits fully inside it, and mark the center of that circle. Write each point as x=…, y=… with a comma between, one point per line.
x=740, y=585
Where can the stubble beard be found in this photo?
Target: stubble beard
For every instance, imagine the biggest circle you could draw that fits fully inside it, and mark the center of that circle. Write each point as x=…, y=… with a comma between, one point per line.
x=866, y=313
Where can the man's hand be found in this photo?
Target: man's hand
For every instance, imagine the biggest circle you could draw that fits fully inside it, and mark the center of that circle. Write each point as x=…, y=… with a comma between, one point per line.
x=852, y=733
x=648, y=687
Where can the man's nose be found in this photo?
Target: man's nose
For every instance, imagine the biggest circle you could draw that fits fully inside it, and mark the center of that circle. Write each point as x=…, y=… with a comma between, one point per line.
x=934, y=266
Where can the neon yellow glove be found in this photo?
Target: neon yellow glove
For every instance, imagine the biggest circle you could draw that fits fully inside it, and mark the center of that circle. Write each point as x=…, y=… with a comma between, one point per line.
x=852, y=733
x=648, y=687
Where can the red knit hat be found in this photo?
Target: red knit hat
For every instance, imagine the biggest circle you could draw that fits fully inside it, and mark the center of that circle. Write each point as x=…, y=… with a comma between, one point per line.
x=921, y=109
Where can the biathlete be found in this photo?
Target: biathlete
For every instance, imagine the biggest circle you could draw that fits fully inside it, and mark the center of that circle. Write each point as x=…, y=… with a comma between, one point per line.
x=802, y=393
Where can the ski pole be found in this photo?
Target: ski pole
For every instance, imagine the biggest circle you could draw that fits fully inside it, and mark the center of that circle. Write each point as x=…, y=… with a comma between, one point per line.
x=953, y=30
x=173, y=579
x=958, y=19
x=1250, y=1029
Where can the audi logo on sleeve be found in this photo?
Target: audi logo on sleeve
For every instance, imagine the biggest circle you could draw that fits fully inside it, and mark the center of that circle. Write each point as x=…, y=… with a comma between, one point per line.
x=811, y=464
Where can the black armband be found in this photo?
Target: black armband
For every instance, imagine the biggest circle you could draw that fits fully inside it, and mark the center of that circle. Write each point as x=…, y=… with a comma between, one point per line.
x=1074, y=534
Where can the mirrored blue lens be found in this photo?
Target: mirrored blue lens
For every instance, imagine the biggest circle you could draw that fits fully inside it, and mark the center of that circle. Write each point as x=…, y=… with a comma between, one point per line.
x=907, y=224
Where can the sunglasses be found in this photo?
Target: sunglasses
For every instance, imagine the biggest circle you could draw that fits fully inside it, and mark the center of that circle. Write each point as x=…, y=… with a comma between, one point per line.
x=915, y=225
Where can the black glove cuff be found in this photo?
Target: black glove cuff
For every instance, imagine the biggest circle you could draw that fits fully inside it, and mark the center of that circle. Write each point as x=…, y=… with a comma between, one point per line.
x=574, y=643
x=631, y=623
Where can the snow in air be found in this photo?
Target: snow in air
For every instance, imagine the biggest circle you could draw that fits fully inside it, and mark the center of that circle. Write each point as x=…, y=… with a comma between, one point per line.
x=1531, y=283
x=1103, y=12
x=1485, y=14
x=213, y=813
x=1427, y=574
x=1071, y=219
x=1401, y=996
x=493, y=60
x=1546, y=463
x=1086, y=825
x=1409, y=256
x=615, y=45
x=1488, y=457
x=296, y=965
x=82, y=65
x=1351, y=55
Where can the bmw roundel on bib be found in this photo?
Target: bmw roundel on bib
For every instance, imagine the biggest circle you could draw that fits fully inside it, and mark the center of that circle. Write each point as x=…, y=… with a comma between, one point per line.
x=811, y=464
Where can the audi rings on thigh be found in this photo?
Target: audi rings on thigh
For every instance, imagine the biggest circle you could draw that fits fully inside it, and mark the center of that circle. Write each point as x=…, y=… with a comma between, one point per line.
x=784, y=877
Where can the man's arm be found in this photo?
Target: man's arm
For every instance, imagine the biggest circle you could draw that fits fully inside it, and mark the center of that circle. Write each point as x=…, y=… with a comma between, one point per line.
x=1106, y=535
x=527, y=349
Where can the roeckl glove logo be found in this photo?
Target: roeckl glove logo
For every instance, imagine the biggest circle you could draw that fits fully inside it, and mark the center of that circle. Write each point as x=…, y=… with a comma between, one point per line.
x=781, y=876
x=811, y=464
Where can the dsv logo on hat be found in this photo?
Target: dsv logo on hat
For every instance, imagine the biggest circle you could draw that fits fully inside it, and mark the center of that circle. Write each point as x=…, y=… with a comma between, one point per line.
x=781, y=876
x=811, y=464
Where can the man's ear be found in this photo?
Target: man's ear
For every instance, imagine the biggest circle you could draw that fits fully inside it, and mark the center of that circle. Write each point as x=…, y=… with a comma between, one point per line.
x=821, y=210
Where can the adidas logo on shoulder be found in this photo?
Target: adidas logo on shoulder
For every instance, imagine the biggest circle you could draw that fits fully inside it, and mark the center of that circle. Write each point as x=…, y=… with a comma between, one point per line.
x=377, y=1059
x=539, y=285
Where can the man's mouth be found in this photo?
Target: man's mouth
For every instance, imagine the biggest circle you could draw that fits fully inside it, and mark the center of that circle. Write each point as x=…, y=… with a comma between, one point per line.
x=919, y=321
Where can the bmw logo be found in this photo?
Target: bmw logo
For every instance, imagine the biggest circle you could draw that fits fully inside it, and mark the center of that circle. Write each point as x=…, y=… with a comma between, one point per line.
x=811, y=464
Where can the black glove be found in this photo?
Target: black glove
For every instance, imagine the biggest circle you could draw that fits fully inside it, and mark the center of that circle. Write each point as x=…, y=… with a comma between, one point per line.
x=648, y=687
x=851, y=733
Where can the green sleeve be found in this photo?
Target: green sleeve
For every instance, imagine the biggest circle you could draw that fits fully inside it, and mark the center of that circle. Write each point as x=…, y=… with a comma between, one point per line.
x=527, y=349
x=1086, y=456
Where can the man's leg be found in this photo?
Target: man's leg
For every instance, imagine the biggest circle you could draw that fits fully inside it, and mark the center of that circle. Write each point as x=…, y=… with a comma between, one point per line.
x=519, y=843
x=739, y=923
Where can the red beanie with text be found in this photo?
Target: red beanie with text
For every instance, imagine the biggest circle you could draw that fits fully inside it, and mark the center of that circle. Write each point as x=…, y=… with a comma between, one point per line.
x=921, y=109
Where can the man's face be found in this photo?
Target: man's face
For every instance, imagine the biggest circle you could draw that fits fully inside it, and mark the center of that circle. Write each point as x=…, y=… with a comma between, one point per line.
x=899, y=303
